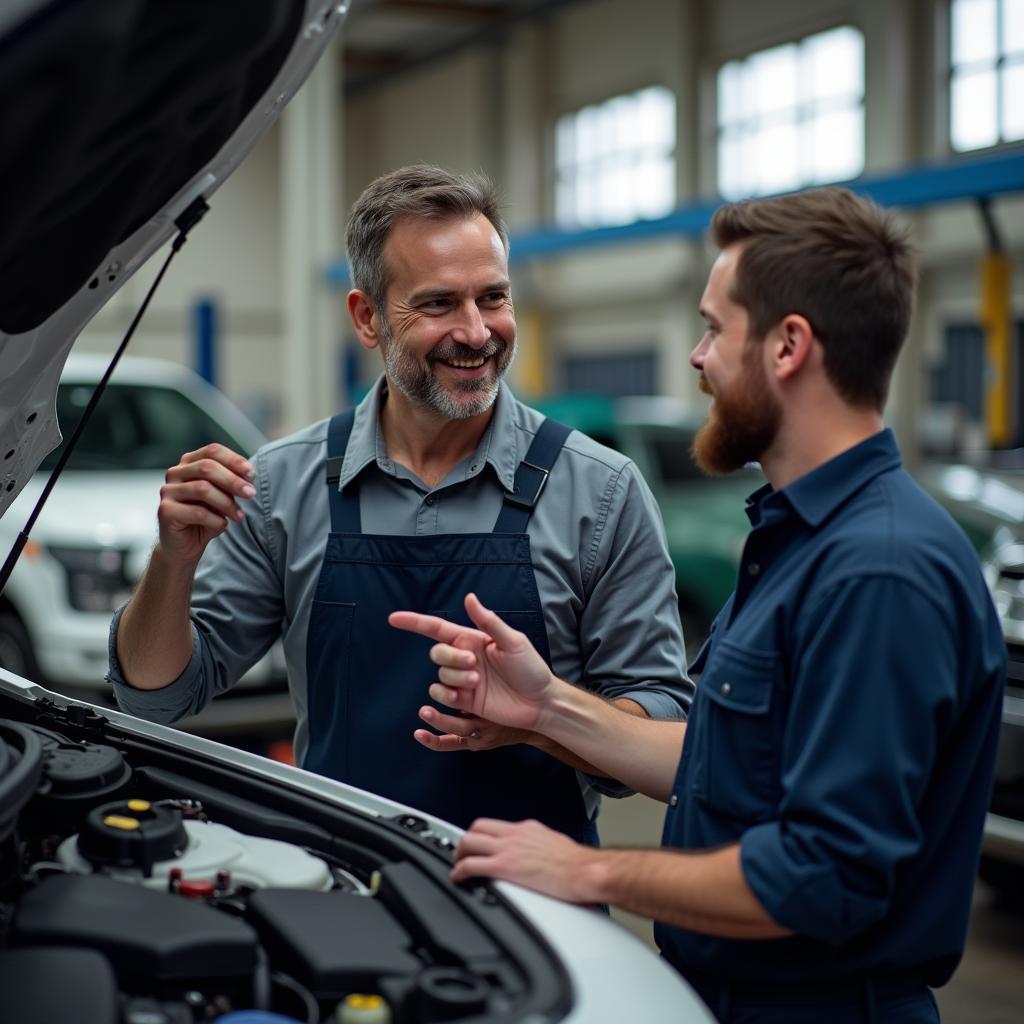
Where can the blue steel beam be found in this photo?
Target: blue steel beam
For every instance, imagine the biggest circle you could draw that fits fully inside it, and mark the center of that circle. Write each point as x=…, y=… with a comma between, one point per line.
x=923, y=185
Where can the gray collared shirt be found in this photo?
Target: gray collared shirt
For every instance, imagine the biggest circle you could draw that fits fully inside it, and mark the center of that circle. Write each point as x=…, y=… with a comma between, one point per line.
x=604, y=576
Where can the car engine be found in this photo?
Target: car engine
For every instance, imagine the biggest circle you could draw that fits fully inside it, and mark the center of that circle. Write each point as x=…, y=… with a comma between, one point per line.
x=141, y=883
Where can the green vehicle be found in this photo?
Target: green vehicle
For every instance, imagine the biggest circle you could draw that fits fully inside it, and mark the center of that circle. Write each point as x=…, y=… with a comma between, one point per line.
x=704, y=516
x=704, y=519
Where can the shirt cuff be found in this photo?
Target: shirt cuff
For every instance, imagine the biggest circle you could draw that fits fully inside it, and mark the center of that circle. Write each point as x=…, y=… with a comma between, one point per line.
x=165, y=705
x=657, y=705
x=802, y=895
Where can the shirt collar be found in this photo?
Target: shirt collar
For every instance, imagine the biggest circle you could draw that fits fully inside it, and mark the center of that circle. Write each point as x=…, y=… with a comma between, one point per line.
x=816, y=495
x=499, y=445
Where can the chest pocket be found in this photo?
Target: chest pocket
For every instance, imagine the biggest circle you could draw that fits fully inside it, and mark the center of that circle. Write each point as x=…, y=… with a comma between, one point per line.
x=735, y=753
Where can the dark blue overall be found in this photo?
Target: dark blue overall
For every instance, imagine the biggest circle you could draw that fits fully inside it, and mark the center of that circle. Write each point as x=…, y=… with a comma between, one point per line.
x=367, y=680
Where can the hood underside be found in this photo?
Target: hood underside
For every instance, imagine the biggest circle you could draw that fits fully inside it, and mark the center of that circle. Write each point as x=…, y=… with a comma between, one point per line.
x=118, y=114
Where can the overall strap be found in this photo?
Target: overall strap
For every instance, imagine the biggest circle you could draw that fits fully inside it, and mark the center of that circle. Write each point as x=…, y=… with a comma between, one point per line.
x=531, y=476
x=344, y=503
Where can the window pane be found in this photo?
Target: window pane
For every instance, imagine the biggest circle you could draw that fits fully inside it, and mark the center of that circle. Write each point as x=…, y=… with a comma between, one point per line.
x=655, y=188
x=586, y=199
x=1013, y=102
x=772, y=81
x=656, y=115
x=835, y=143
x=973, y=110
x=835, y=64
x=1013, y=26
x=730, y=93
x=588, y=132
x=565, y=141
x=776, y=159
x=731, y=181
x=974, y=30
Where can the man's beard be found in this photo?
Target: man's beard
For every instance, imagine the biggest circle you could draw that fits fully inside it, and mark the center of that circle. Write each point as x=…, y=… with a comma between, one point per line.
x=742, y=424
x=421, y=386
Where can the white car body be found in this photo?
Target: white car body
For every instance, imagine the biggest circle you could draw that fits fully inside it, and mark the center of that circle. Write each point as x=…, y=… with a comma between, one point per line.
x=95, y=511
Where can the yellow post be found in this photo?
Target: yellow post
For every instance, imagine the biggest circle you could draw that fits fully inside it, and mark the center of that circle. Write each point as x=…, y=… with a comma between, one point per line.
x=995, y=321
x=532, y=357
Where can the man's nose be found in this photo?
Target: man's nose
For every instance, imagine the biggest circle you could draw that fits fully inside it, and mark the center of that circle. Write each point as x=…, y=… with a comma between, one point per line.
x=471, y=328
x=698, y=354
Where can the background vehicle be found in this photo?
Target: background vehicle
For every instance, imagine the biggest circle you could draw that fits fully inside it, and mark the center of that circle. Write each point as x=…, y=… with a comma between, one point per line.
x=93, y=539
x=704, y=520
x=1002, y=861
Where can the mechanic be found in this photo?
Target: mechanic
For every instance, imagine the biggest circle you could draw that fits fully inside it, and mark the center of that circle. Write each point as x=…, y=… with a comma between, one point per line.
x=827, y=794
x=435, y=486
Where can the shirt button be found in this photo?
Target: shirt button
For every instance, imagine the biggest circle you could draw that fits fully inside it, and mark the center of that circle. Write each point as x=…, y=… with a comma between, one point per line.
x=726, y=689
x=753, y=569
x=428, y=500
x=673, y=800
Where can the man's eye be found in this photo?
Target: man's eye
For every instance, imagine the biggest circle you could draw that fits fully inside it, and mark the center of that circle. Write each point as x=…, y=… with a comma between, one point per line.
x=436, y=304
x=495, y=298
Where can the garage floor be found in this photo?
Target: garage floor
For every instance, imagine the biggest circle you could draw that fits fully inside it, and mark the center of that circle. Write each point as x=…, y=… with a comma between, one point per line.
x=988, y=987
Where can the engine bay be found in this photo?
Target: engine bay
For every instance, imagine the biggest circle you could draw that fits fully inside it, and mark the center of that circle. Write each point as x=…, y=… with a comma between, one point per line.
x=141, y=883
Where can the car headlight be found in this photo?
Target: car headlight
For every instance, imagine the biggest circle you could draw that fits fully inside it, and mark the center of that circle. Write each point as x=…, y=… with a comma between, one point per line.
x=97, y=581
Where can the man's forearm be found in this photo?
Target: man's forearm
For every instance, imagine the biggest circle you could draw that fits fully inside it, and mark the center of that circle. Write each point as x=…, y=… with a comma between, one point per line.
x=154, y=635
x=704, y=892
x=614, y=739
x=565, y=755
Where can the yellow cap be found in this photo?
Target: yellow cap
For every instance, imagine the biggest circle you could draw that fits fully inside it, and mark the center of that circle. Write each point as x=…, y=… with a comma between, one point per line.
x=139, y=805
x=361, y=1002
x=121, y=821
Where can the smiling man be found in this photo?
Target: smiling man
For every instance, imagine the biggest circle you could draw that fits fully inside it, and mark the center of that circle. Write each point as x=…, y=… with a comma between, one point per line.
x=438, y=483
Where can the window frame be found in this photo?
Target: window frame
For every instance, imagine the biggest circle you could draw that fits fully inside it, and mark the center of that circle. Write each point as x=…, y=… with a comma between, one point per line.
x=565, y=173
x=997, y=66
x=807, y=107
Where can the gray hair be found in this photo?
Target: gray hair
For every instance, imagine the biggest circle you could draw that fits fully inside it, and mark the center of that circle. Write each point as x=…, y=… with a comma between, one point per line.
x=417, y=191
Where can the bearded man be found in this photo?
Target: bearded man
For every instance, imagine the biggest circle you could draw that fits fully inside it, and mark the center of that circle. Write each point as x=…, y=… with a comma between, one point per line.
x=827, y=795
x=438, y=483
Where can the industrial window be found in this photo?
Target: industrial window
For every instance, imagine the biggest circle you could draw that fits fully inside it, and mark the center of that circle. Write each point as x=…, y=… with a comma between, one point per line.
x=616, y=374
x=986, y=89
x=615, y=161
x=792, y=115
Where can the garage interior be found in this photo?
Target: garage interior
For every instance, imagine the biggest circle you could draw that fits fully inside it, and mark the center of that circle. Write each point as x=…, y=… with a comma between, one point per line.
x=612, y=131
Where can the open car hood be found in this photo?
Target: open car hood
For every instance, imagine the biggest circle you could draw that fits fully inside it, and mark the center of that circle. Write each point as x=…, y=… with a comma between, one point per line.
x=118, y=114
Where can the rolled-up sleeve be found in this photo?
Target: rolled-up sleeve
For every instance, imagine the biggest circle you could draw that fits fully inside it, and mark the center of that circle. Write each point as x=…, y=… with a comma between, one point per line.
x=630, y=636
x=875, y=683
x=236, y=612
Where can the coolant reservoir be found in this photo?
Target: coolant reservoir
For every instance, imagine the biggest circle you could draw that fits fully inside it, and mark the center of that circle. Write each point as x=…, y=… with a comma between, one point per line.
x=136, y=841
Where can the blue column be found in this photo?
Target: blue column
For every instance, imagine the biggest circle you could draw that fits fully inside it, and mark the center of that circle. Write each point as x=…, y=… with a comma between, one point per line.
x=204, y=335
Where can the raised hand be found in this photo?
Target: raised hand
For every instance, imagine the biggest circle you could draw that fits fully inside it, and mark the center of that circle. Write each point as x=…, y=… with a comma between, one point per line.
x=492, y=672
x=199, y=497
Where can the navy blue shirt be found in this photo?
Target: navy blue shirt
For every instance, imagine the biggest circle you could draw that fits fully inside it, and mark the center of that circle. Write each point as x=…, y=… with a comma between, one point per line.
x=844, y=729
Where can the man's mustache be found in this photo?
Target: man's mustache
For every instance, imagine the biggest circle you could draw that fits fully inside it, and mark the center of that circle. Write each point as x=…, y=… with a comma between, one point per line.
x=447, y=353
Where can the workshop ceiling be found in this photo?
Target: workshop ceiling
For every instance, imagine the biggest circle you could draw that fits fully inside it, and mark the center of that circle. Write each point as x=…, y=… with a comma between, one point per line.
x=383, y=38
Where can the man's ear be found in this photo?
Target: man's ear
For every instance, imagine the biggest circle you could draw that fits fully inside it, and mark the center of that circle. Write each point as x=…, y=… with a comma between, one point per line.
x=792, y=343
x=362, y=313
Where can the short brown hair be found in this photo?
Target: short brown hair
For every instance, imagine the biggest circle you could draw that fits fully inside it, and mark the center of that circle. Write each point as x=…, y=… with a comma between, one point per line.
x=420, y=190
x=837, y=259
